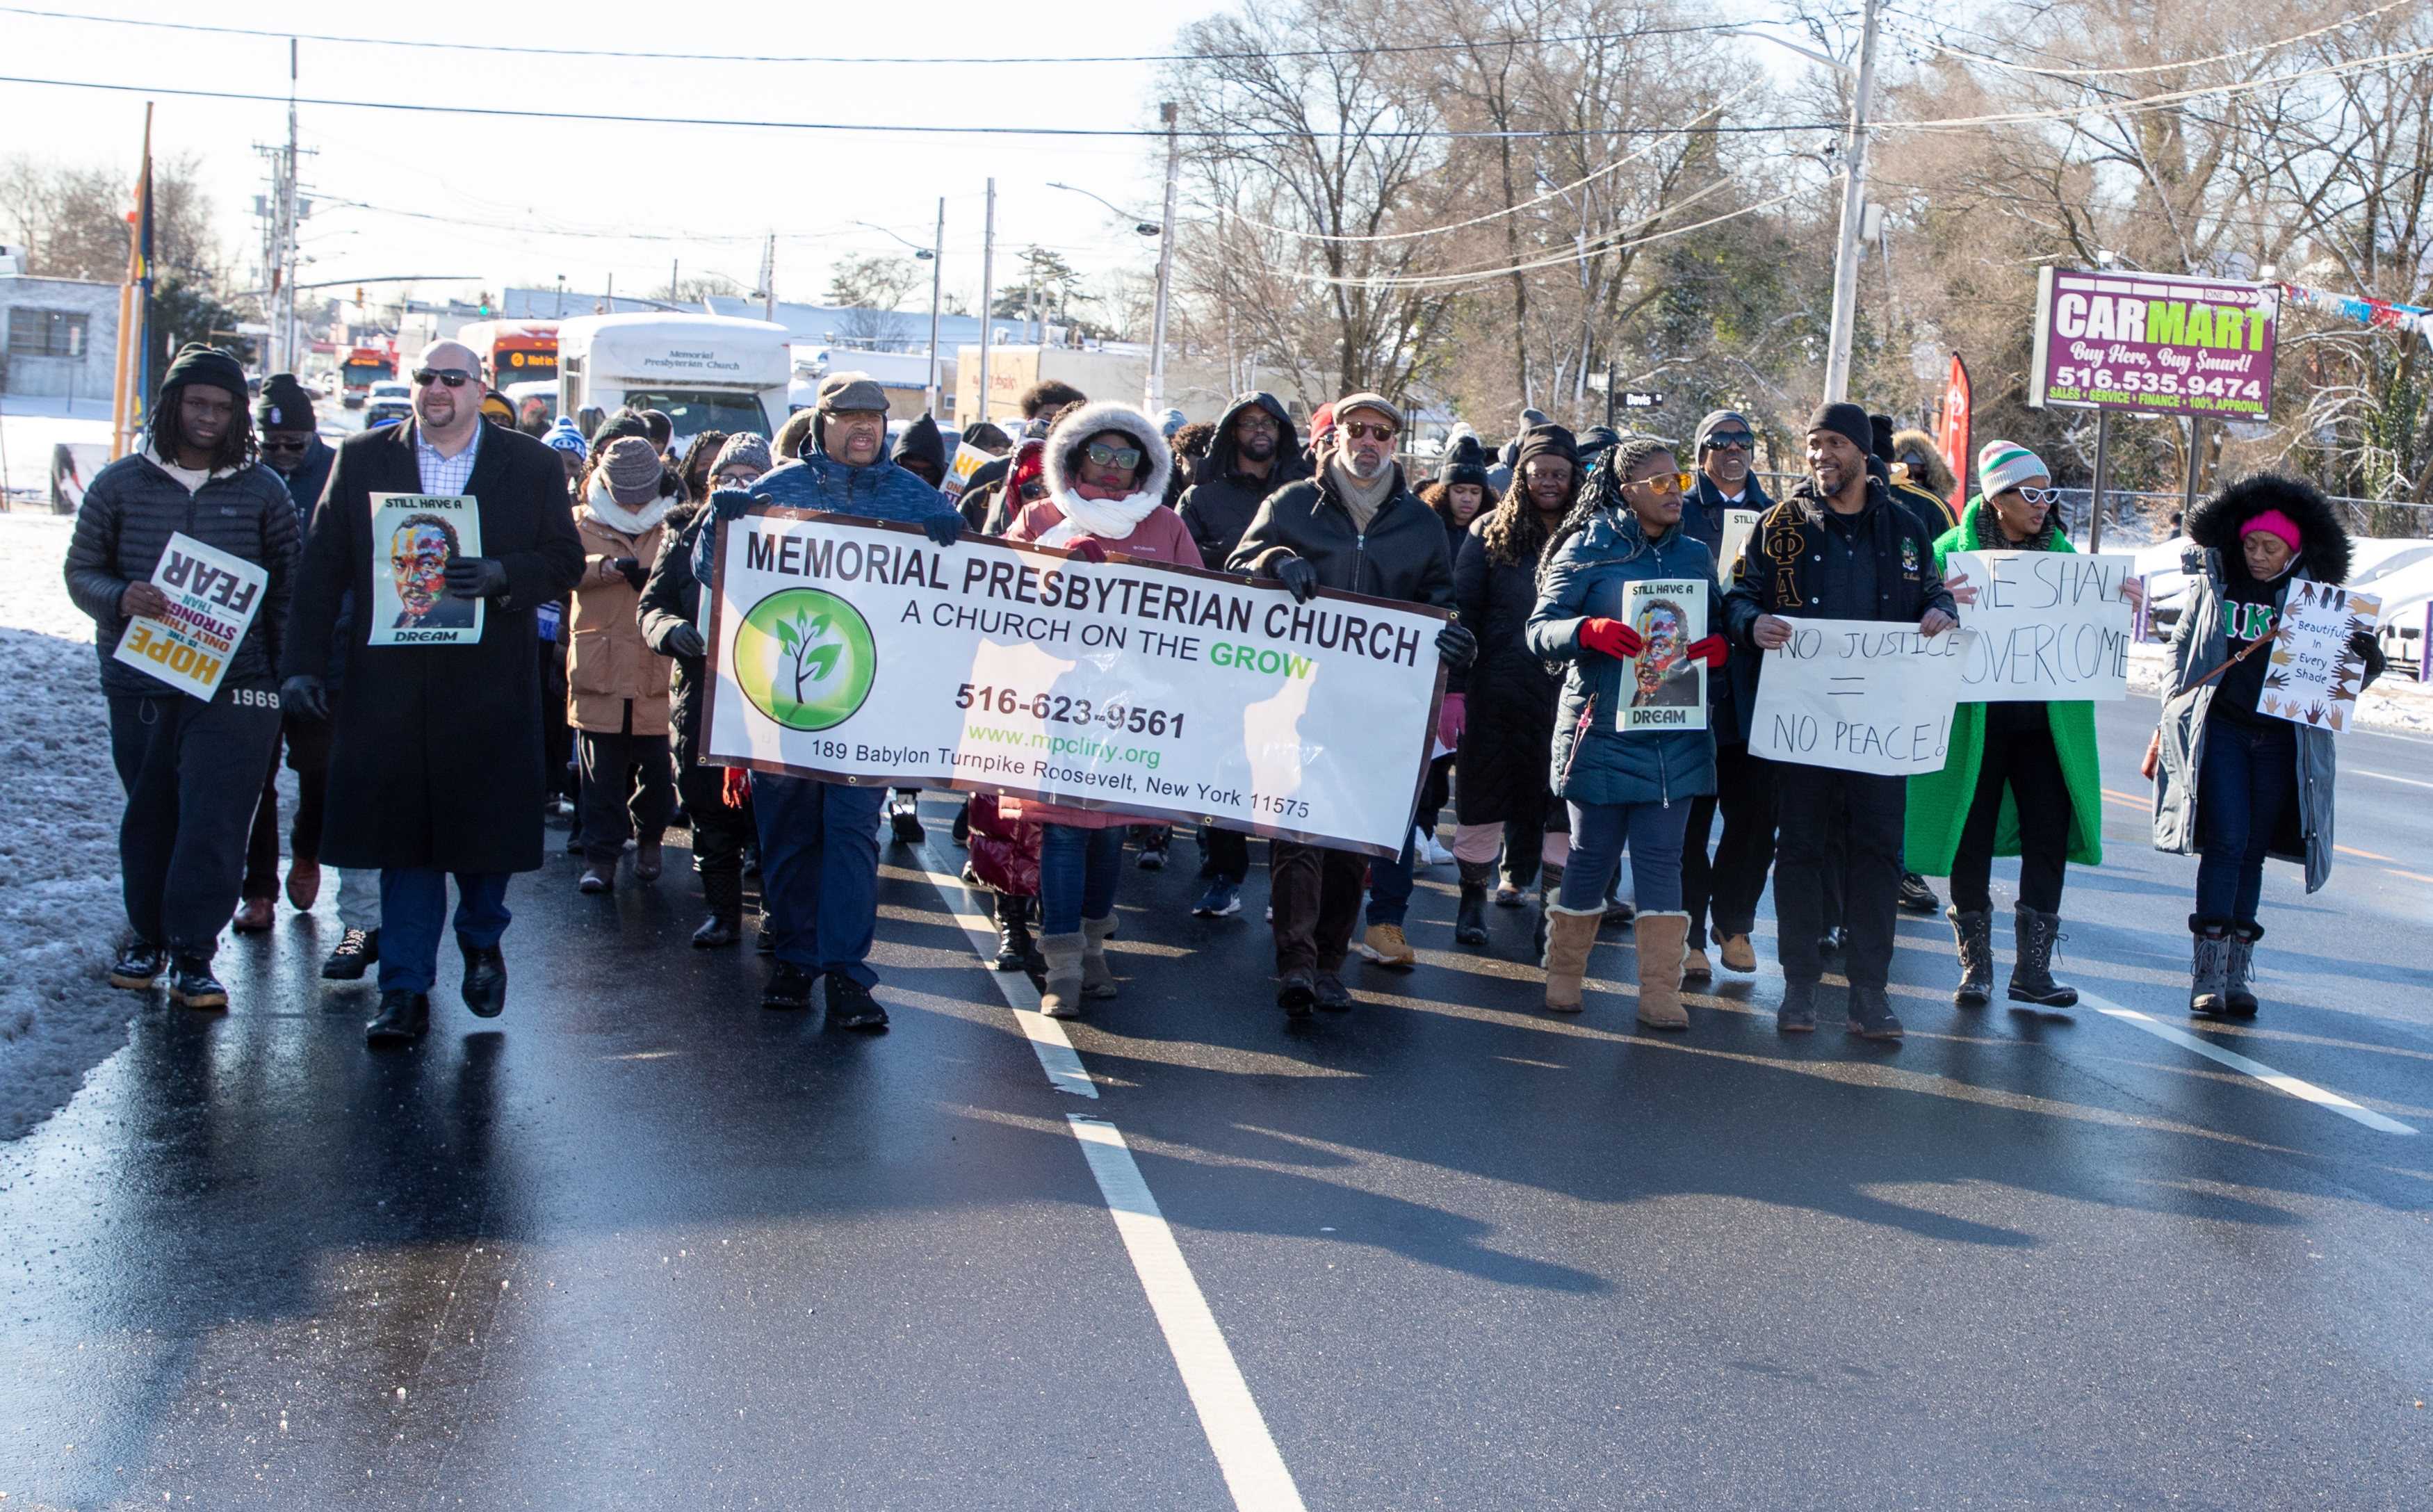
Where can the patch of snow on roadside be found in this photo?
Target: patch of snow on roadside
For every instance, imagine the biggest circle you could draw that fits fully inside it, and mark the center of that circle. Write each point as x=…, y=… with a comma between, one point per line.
x=60, y=914
x=2395, y=702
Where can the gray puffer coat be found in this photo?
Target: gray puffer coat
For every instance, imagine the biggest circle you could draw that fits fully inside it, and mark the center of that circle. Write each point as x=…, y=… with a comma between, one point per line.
x=130, y=512
x=1595, y=762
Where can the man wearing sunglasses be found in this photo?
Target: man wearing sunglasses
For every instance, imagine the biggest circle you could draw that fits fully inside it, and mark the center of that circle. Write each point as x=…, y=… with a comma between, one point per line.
x=1732, y=882
x=1356, y=527
x=436, y=764
x=1839, y=548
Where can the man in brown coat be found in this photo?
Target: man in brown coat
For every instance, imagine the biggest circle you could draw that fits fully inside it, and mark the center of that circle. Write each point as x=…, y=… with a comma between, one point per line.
x=617, y=696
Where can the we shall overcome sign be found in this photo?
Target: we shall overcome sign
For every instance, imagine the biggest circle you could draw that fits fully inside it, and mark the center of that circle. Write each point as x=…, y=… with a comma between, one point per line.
x=2050, y=625
x=1859, y=695
x=857, y=651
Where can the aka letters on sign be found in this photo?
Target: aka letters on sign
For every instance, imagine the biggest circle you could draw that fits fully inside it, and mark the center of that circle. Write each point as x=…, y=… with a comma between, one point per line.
x=2050, y=625
x=212, y=599
x=413, y=539
x=2314, y=674
x=1859, y=695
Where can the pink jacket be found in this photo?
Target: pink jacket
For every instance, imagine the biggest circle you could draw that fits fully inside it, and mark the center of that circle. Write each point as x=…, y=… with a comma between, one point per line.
x=1162, y=536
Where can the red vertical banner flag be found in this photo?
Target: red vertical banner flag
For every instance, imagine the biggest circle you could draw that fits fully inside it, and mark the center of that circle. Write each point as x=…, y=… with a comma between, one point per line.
x=1954, y=436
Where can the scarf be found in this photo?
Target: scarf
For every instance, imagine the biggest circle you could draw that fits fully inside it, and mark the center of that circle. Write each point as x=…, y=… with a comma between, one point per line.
x=1362, y=498
x=1110, y=519
x=601, y=505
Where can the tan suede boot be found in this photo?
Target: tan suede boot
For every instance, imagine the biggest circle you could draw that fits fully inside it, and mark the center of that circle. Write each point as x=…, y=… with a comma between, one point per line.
x=1660, y=937
x=1097, y=980
x=1570, y=933
x=1063, y=995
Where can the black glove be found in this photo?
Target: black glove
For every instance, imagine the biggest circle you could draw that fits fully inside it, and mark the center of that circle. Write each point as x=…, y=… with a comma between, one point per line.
x=946, y=527
x=633, y=569
x=476, y=577
x=684, y=640
x=730, y=503
x=2367, y=649
x=304, y=696
x=1457, y=646
x=1299, y=577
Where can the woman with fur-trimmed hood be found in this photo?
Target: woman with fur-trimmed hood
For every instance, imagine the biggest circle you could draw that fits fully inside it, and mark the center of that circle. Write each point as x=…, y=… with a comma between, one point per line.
x=2232, y=784
x=1105, y=467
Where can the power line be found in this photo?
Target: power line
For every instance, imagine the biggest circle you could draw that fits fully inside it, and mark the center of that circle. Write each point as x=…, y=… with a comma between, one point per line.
x=829, y=125
x=764, y=57
x=2059, y=73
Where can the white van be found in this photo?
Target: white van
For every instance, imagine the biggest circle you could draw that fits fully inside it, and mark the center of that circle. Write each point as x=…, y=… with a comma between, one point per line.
x=705, y=372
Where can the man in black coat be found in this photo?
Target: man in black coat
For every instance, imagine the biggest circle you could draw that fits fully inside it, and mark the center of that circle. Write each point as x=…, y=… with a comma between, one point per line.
x=1839, y=548
x=436, y=763
x=1356, y=527
x=1256, y=452
x=192, y=768
x=1733, y=881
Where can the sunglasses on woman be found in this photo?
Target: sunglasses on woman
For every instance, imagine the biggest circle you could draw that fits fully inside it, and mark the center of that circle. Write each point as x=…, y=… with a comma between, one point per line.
x=453, y=378
x=1103, y=455
x=1034, y=490
x=1670, y=482
x=2039, y=496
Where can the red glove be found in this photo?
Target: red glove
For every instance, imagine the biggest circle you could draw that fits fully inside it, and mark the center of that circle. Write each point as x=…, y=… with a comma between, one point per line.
x=1611, y=636
x=1712, y=650
x=1087, y=548
x=735, y=789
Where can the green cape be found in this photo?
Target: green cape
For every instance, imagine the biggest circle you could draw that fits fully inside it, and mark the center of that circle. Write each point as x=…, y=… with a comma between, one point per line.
x=1938, y=803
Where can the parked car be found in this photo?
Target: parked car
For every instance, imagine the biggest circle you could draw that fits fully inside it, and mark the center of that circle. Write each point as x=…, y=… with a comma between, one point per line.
x=387, y=404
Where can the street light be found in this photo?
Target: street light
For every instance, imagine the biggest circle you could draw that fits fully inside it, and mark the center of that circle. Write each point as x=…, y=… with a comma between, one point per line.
x=1146, y=228
x=935, y=257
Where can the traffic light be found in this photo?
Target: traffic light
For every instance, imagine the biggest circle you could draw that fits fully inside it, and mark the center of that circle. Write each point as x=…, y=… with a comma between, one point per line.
x=359, y=293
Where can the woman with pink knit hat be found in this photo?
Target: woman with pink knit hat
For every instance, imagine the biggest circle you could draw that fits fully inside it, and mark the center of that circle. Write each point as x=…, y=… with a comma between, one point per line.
x=2231, y=784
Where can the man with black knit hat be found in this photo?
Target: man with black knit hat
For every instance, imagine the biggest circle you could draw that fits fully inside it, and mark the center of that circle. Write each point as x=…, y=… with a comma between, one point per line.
x=192, y=768
x=1355, y=527
x=1731, y=883
x=1838, y=548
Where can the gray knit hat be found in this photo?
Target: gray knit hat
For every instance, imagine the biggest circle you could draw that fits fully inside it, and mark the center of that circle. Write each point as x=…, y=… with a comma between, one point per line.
x=742, y=450
x=1714, y=422
x=845, y=392
x=633, y=469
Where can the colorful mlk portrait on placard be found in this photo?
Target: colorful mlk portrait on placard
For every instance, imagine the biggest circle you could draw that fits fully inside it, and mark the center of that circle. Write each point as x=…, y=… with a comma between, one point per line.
x=413, y=539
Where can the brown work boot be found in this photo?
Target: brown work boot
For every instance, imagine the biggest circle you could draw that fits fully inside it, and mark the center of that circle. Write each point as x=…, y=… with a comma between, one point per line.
x=1660, y=937
x=1738, y=954
x=254, y=916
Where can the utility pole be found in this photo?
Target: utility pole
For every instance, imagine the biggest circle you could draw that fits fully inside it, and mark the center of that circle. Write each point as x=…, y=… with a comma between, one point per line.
x=988, y=298
x=1169, y=113
x=937, y=288
x=769, y=279
x=1854, y=202
x=280, y=212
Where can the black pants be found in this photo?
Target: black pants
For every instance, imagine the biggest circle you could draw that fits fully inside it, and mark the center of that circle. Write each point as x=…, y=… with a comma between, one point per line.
x=1228, y=852
x=193, y=775
x=1316, y=893
x=613, y=766
x=719, y=833
x=1804, y=798
x=2026, y=760
x=1436, y=792
x=262, y=844
x=1735, y=879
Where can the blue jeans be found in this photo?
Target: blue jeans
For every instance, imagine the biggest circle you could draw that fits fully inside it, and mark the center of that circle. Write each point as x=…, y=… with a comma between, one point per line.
x=1653, y=834
x=414, y=904
x=1078, y=871
x=2249, y=771
x=819, y=871
x=1390, y=885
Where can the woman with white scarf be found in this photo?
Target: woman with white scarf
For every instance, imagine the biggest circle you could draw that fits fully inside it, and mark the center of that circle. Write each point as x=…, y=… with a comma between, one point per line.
x=1106, y=468
x=617, y=687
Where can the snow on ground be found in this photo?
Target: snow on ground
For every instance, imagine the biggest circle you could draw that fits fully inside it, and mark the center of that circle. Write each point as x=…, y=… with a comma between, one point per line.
x=2395, y=702
x=60, y=916
x=30, y=427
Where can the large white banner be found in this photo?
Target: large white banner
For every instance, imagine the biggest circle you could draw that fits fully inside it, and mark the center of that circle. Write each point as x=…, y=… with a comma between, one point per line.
x=1859, y=695
x=2050, y=625
x=858, y=651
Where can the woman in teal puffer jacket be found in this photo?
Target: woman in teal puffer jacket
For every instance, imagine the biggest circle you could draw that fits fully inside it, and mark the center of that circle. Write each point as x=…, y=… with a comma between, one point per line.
x=1624, y=788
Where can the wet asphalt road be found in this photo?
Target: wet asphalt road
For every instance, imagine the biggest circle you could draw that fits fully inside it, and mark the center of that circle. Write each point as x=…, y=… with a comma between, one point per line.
x=641, y=1243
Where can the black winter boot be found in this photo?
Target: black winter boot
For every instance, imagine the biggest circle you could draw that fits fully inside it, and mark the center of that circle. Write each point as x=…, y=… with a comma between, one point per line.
x=1014, y=944
x=1973, y=933
x=2033, y=932
x=192, y=984
x=2210, y=973
x=722, y=892
x=1470, y=925
x=2236, y=996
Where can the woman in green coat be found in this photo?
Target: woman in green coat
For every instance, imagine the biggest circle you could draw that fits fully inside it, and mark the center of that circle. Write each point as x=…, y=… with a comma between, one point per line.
x=2022, y=779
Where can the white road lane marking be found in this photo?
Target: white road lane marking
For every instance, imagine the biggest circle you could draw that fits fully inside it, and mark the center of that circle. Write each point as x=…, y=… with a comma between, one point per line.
x=1247, y=1456
x=1245, y=1451
x=1056, y=1054
x=2360, y=771
x=2307, y=1091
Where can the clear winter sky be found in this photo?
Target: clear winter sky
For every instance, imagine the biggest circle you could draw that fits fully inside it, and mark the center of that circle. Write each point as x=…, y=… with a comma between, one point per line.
x=509, y=201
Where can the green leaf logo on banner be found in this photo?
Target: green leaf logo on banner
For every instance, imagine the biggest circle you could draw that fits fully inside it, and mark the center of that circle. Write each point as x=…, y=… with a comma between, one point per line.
x=805, y=658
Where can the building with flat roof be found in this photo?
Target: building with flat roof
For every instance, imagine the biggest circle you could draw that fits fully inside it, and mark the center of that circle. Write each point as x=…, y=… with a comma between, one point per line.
x=59, y=337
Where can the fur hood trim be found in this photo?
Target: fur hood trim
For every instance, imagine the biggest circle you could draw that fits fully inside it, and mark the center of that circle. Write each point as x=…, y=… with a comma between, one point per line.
x=2325, y=557
x=1084, y=421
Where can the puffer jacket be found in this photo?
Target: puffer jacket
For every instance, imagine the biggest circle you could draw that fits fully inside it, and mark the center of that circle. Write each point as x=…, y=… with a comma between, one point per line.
x=615, y=684
x=1509, y=711
x=672, y=597
x=1595, y=762
x=1220, y=504
x=1401, y=555
x=132, y=509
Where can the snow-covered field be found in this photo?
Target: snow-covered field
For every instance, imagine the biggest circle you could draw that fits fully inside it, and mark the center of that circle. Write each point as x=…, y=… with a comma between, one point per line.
x=60, y=909
x=2395, y=702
